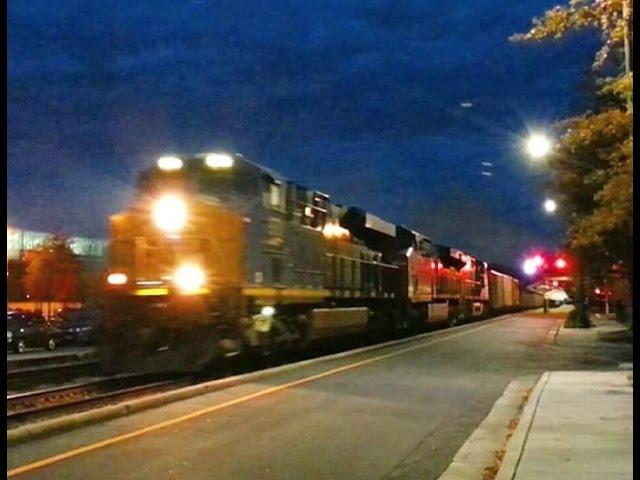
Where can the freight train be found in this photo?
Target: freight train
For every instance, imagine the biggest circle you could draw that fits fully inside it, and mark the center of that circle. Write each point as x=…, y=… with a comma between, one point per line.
x=217, y=255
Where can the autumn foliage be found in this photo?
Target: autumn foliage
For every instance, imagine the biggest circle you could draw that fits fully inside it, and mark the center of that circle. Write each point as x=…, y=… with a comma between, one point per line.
x=593, y=161
x=52, y=273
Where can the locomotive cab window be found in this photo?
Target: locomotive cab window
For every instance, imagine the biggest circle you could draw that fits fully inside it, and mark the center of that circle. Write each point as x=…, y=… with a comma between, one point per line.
x=273, y=196
x=290, y=201
x=320, y=203
x=312, y=207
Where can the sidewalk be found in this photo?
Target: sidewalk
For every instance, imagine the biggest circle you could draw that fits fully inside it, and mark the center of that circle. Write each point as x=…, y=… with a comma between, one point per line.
x=565, y=424
x=576, y=425
x=604, y=328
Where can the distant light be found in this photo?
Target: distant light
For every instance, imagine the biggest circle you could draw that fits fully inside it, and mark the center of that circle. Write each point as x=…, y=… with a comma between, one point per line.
x=267, y=311
x=538, y=145
x=550, y=205
x=333, y=230
x=538, y=261
x=487, y=164
x=597, y=291
x=218, y=160
x=117, y=279
x=561, y=263
x=169, y=163
x=9, y=236
x=466, y=104
x=529, y=267
x=486, y=174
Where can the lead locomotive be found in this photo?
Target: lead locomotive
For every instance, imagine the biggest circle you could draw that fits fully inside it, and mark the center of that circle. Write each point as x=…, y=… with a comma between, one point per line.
x=217, y=255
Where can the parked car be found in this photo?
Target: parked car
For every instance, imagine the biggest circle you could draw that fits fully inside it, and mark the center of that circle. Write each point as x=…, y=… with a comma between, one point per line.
x=30, y=330
x=79, y=326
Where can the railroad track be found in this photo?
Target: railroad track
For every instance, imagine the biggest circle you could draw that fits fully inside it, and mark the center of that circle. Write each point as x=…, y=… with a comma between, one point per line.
x=27, y=378
x=23, y=406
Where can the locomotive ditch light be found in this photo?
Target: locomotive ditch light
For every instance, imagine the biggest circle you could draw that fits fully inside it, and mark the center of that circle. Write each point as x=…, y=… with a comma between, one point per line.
x=218, y=161
x=267, y=311
x=170, y=214
x=117, y=279
x=189, y=279
x=169, y=163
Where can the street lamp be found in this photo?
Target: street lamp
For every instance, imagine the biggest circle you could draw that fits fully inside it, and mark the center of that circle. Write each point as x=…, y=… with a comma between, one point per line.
x=538, y=145
x=550, y=205
x=529, y=267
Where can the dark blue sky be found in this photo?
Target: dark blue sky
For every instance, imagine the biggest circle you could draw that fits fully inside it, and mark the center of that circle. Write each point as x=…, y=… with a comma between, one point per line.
x=360, y=99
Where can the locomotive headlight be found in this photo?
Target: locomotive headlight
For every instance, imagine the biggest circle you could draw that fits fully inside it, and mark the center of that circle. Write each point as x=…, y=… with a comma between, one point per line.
x=170, y=214
x=189, y=278
x=169, y=163
x=218, y=160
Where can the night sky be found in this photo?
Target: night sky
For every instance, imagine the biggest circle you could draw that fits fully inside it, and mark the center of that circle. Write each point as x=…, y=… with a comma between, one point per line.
x=365, y=100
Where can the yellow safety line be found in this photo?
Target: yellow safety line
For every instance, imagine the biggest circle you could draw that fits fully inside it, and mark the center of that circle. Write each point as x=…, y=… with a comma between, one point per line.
x=167, y=423
x=285, y=292
x=143, y=292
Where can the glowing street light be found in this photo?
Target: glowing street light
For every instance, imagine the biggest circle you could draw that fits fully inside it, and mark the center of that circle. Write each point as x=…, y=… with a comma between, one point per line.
x=529, y=266
x=550, y=205
x=538, y=145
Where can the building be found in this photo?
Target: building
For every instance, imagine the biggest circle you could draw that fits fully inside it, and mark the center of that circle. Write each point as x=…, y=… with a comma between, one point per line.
x=91, y=252
x=19, y=241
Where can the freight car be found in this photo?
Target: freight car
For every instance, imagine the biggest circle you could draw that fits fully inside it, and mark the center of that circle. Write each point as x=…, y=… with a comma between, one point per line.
x=217, y=255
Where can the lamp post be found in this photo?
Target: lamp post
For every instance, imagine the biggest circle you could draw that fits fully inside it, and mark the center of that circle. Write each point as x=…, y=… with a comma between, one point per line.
x=627, y=19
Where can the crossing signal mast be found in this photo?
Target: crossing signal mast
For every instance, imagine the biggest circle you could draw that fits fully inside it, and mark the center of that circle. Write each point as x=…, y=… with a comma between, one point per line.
x=547, y=265
x=548, y=271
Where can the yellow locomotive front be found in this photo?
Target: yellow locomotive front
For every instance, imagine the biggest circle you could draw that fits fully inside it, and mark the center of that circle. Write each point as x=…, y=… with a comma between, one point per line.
x=175, y=273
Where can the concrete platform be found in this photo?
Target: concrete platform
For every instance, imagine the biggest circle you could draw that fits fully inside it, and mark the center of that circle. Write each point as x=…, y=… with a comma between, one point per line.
x=580, y=426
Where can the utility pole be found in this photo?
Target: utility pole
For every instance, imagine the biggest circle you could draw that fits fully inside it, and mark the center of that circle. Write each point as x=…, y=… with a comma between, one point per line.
x=626, y=19
x=582, y=299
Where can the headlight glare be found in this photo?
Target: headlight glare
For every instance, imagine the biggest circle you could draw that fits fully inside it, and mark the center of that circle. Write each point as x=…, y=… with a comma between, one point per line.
x=170, y=214
x=189, y=278
x=267, y=311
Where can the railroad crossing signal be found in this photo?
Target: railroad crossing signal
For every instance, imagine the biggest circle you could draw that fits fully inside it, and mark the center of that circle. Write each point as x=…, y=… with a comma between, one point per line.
x=556, y=266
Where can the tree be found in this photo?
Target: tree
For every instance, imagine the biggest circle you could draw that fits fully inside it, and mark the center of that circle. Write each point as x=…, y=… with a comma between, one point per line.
x=52, y=273
x=592, y=164
x=15, y=277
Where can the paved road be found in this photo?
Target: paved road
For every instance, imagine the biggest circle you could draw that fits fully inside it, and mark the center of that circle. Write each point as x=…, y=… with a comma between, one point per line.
x=397, y=413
